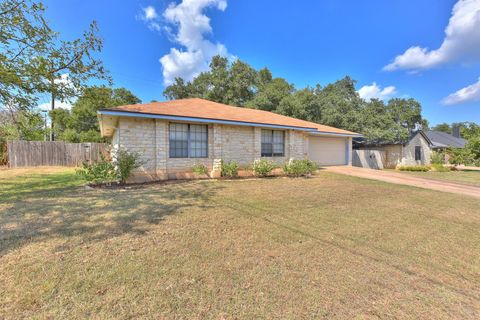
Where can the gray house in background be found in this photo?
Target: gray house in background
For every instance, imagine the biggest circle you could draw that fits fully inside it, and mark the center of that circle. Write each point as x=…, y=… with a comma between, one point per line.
x=415, y=151
x=442, y=140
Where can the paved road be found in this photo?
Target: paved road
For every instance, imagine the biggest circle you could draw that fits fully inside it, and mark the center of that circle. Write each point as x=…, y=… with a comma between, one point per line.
x=400, y=178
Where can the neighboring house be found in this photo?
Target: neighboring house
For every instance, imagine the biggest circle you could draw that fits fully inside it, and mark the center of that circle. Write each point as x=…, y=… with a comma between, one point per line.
x=442, y=140
x=416, y=151
x=173, y=136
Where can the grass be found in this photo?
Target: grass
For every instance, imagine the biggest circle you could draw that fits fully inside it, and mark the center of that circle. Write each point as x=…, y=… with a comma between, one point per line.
x=471, y=177
x=331, y=246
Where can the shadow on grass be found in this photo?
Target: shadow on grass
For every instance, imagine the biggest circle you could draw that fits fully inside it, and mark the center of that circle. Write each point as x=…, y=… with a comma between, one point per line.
x=64, y=210
x=37, y=185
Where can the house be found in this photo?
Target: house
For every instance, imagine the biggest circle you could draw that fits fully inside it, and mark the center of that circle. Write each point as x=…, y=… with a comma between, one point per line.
x=442, y=140
x=416, y=150
x=173, y=136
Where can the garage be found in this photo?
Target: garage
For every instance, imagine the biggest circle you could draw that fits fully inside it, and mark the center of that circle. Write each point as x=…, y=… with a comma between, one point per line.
x=328, y=151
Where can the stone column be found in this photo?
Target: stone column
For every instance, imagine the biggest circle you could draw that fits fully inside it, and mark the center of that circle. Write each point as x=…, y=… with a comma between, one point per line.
x=161, y=149
x=350, y=151
x=257, y=143
x=217, y=151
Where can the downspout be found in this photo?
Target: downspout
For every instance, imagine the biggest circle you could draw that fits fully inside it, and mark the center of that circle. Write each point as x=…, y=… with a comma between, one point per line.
x=156, y=146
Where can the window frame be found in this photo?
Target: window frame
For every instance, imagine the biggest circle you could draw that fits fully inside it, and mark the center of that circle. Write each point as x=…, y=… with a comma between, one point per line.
x=418, y=151
x=272, y=144
x=189, y=141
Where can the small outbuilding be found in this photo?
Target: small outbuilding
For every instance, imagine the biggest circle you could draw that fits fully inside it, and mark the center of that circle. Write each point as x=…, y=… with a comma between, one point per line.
x=416, y=150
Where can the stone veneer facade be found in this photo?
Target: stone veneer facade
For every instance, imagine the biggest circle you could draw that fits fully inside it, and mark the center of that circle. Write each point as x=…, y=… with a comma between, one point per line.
x=149, y=137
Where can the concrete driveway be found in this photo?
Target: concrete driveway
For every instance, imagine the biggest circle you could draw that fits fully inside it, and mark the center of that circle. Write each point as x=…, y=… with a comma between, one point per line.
x=400, y=178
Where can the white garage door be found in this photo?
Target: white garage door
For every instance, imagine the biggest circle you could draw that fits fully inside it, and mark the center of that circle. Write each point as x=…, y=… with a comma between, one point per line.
x=327, y=151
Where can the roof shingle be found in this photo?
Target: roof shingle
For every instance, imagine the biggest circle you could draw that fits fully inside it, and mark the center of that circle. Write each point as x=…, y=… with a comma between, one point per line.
x=442, y=140
x=205, y=109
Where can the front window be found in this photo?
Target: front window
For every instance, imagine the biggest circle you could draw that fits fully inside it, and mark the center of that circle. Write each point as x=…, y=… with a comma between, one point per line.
x=188, y=140
x=418, y=153
x=273, y=143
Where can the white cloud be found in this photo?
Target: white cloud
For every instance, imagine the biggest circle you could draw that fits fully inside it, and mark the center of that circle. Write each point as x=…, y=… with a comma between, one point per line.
x=461, y=42
x=150, y=13
x=58, y=104
x=468, y=94
x=192, y=26
x=150, y=17
x=374, y=91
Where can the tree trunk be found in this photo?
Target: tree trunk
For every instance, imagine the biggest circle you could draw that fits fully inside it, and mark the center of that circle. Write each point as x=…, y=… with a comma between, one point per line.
x=52, y=135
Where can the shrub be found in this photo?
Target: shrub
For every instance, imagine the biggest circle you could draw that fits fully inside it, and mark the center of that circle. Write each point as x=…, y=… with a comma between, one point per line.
x=462, y=156
x=200, y=169
x=263, y=167
x=102, y=171
x=229, y=169
x=437, y=158
x=414, y=168
x=440, y=167
x=125, y=162
x=298, y=168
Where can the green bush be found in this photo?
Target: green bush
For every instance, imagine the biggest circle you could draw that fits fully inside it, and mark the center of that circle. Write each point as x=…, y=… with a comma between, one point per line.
x=462, y=156
x=229, y=169
x=105, y=171
x=263, y=167
x=298, y=168
x=125, y=162
x=102, y=171
x=200, y=169
x=440, y=167
x=414, y=168
x=437, y=158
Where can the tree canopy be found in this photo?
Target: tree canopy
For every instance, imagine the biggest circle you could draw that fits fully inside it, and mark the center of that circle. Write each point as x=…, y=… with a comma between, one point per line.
x=337, y=104
x=35, y=60
x=81, y=124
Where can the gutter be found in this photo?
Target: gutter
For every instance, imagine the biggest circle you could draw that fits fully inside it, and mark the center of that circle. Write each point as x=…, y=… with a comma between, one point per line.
x=321, y=133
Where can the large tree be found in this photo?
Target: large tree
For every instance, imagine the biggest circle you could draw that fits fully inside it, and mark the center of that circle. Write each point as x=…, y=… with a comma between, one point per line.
x=24, y=36
x=337, y=104
x=230, y=83
x=81, y=124
x=443, y=127
x=34, y=59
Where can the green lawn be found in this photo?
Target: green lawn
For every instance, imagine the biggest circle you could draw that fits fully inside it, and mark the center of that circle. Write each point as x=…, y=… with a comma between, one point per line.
x=331, y=246
x=465, y=177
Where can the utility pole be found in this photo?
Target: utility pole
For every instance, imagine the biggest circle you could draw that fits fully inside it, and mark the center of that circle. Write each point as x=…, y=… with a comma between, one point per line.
x=52, y=85
x=45, y=121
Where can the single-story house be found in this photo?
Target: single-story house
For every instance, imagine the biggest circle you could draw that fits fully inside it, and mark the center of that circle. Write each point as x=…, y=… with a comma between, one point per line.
x=442, y=140
x=416, y=150
x=173, y=136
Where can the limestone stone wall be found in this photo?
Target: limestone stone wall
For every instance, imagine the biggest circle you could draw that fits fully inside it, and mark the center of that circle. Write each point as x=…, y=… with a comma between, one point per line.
x=297, y=145
x=235, y=143
x=150, y=138
x=409, y=151
x=138, y=135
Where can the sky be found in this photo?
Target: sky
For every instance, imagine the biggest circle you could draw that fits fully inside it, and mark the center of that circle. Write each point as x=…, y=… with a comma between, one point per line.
x=428, y=50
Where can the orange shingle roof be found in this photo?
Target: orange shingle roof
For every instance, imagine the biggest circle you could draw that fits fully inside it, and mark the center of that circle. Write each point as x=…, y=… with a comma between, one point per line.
x=205, y=109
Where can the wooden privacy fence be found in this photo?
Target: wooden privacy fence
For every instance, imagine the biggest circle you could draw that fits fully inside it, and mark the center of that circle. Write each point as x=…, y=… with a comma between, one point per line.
x=52, y=153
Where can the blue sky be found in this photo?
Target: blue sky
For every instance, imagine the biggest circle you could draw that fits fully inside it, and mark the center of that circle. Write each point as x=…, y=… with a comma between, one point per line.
x=306, y=42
